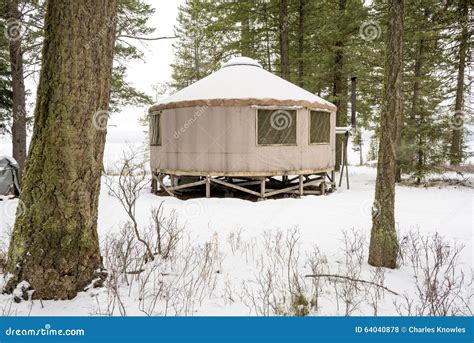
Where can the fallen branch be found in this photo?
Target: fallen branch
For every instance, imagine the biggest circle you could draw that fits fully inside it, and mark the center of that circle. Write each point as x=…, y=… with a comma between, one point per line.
x=135, y=272
x=351, y=279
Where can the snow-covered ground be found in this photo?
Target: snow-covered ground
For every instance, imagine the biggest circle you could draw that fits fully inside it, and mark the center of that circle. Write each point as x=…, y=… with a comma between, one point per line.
x=234, y=256
x=234, y=232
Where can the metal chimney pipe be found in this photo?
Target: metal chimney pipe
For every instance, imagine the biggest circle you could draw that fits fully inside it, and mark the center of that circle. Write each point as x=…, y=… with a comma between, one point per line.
x=353, y=101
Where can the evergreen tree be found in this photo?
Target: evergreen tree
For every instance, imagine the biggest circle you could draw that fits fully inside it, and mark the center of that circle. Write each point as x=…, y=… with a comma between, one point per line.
x=463, y=61
x=383, y=249
x=5, y=86
x=132, y=28
x=420, y=147
x=54, y=245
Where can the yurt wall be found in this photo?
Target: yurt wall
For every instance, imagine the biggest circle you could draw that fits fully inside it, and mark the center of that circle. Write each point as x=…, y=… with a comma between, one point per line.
x=228, y=140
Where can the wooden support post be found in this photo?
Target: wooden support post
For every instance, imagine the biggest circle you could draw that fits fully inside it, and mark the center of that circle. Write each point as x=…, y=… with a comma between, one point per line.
x=162, y=185
x=160, y=180
x=262, y=187
x=322, y=187
x=172, y=180
x=154, y=183
x=341, y=171
x=301, y=184
x=347, y=170
x=333, y=180
x=208, y=187
x=344, y=161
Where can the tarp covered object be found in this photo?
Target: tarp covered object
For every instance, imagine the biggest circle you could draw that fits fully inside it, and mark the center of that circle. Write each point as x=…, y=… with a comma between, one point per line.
x=9, y=180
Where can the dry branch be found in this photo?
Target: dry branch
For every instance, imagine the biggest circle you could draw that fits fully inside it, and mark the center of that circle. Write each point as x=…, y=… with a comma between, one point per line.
x=351, y=279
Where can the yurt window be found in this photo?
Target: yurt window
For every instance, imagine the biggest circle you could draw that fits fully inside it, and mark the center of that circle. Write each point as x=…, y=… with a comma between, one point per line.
x=155, y=137
x=320, y=127
x=276, y=127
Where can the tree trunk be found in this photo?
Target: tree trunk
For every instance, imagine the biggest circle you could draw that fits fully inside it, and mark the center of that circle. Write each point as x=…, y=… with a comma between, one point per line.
x=340, y=87
x=246, y=47
x=415, y=111
x=301, y=35
x=19, y=95
x=458, y=118
x=284, y=45
x=267, y=39
x=383, y=241
x=54, y=244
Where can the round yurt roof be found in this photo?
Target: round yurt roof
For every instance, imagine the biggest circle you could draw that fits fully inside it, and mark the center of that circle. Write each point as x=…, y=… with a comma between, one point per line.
x=242, y=81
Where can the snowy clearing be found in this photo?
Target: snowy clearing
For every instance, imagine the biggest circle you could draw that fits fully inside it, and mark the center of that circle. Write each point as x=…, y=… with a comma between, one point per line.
x=237, y=257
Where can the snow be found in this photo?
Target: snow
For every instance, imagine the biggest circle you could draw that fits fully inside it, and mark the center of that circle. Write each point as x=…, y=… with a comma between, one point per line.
x=243, y=78
x=236, y=228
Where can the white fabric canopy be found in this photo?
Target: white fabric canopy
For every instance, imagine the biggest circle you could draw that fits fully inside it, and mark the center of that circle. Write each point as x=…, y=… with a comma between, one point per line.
x=244, y=78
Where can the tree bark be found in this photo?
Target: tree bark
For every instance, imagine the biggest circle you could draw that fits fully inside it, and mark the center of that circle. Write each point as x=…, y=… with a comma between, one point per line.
x=54, y=244
x=416, y=110
x=301, y=35
x=383, y=249
x=267, y=39
x=284, y=44
x=19, y=95
x=340, y=86
x=246, y=46
x=456, y=148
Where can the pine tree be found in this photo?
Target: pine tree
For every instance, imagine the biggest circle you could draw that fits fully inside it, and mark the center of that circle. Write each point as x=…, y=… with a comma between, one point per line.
x=54, y=245
x=383, y=249
x=6, y=96
x=132, y=28
x=420, y=145
x=198, y=50
x=13, y=18
x=463, y=52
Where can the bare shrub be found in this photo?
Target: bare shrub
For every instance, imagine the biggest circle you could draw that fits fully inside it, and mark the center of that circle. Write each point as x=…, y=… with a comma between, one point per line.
x=3, y=258
x=151, y=289
x=122, y=255
x=7, y=310
x=167, y=230
x=317, y=264
x=349, y=289
x=235, y=241
x=375, y=294
x=440, y=284
x=126, y=188
x=4, y=241
x=279, y=287
x=196, y=278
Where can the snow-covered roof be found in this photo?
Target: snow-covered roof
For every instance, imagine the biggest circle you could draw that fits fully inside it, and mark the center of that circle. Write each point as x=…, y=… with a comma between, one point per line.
x=242, y=81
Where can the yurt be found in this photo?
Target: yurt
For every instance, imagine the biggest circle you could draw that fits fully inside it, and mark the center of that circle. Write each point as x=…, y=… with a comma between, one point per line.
x=243, y=129
x=9, y=176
